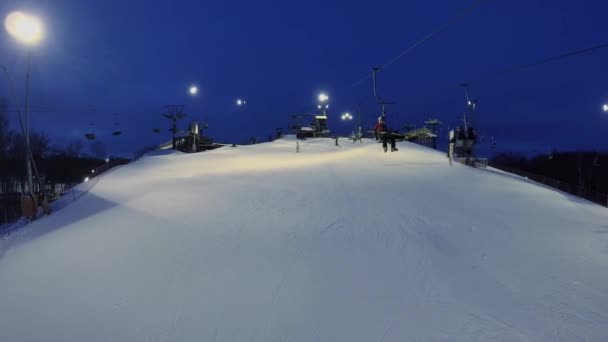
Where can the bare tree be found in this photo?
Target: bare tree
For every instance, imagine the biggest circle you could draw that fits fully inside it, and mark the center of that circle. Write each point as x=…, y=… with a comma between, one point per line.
x=74, y=148
x=39, y=144
x=98, y=149
x=4, y=129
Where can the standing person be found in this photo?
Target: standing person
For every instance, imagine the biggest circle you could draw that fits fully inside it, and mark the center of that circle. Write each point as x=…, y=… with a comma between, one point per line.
x=381, y=132
x=451, y=143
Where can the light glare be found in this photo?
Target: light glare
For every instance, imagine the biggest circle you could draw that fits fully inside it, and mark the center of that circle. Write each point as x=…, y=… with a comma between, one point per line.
x=25, y=28
x=193, y=90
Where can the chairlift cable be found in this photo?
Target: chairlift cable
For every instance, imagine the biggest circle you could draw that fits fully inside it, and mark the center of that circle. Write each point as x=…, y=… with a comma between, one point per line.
x=546, y=60
x=437, y=30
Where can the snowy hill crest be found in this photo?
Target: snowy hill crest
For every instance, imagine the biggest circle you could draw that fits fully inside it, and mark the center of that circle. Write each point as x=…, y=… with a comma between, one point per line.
x=260, y=243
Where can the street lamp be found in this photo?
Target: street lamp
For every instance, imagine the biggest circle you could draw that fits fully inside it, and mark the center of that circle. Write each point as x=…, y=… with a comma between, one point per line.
x=25, y=28
x=240, y=102
x=606, y=108
x=28, y=30
x=347, y=116
x=193, y=90
x=323, y=98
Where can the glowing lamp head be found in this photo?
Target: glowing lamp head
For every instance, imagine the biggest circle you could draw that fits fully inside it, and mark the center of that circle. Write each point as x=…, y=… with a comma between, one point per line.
x=193, y=90
x=606, y=108
x=25, y=28
x=240, y=102
x=323, y=97
x=86, y=179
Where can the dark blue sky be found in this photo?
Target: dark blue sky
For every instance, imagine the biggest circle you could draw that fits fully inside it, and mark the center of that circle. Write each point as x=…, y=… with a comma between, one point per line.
x=103, y=60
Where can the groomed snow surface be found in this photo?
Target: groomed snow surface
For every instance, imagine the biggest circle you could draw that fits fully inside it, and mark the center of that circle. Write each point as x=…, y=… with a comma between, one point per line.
x=258, y=243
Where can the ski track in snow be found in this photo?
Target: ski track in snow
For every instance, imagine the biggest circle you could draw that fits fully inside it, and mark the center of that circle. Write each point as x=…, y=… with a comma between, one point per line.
x=259, y=243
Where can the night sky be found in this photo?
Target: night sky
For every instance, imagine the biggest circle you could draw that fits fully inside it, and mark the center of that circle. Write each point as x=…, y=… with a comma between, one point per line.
x=107, y=62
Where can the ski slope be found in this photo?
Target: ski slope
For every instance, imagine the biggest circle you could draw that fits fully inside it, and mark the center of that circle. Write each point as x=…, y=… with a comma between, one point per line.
x=259, y=243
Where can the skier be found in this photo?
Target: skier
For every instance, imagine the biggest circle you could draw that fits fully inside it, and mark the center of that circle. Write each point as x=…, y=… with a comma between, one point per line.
x=381, y=132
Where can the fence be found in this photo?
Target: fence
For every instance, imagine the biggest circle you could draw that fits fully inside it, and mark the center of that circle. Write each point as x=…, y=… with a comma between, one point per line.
x=140, y=153
x=579, y=191
x=93, y=178
x=10, y=203
x=10, y=207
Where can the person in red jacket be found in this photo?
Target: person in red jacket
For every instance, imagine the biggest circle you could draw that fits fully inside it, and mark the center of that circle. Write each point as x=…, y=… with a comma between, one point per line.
x=381, y=132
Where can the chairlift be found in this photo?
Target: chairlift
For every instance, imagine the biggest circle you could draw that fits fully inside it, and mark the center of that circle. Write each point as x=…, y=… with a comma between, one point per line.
x=116, y=133
x=90, y=135
x=156, y=130
x=383, y=104
x=465, y=137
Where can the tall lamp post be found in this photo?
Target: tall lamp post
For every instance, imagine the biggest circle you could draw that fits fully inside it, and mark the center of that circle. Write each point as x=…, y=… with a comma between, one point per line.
x=28, y=30
x=347, y=117
x=323, y=99
x=194, y=128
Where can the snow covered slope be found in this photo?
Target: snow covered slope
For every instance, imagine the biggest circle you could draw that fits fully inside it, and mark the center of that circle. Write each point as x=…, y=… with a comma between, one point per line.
x=258, y=243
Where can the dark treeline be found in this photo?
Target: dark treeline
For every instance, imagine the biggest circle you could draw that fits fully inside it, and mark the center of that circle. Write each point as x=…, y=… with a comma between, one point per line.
x=59, y=166
x=64, y=164
x=582, y=169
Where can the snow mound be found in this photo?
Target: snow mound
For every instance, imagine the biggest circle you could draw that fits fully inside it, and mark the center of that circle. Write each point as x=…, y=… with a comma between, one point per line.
x=260, y=243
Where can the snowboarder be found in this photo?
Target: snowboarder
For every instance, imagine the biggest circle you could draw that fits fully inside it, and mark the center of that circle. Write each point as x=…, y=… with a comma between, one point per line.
x=381, y=132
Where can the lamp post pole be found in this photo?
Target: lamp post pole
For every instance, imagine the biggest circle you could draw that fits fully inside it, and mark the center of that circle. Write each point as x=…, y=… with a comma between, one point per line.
x=28, y=30
x=28, y=161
